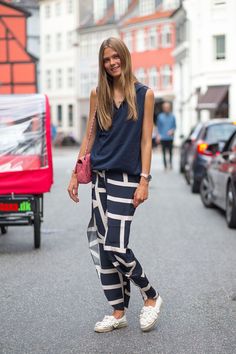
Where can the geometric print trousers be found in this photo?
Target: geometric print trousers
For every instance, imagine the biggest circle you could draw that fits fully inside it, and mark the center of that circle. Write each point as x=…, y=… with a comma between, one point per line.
x=108, y=236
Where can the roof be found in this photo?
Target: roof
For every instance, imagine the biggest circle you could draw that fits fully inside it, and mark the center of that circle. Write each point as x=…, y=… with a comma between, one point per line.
x=109, y=17
x=178, y=9
x=26, y=3
x=8, y=4
x=156, y=15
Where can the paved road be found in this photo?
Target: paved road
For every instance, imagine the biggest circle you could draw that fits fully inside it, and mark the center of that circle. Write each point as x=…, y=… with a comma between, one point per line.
x=51, y=298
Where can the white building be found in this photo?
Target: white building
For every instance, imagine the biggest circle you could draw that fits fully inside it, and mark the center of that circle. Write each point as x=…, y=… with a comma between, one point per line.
x=59, y=20
x=205, y=54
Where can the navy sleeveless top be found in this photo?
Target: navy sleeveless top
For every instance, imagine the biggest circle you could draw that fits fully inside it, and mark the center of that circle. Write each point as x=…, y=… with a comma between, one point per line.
x=119, y=148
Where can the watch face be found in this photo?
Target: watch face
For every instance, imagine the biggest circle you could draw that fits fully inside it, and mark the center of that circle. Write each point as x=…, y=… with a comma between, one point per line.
x=149, y=178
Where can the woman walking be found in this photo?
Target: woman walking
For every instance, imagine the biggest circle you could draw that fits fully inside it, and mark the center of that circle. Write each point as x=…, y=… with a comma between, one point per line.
x=121, y=146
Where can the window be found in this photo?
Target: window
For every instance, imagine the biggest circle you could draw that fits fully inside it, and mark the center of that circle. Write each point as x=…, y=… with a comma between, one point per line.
x=141, y=75
x=153, y=78
x=140, y=41
x=219, y=47
x=233, y=145
x=59, y=78
x=166, y=36
x=70, y=77
x=58, y=41
x=70, y=6
x=58, y=8
x=152, y=38
x=59, y=115
x=47, y=11
x=70, y=115
x=121, y=7
x=166, y=76
x=47, y=43
x=146, y=7
x=84, y=85
x=129, y=40
x=48, y=79
x=99, y=9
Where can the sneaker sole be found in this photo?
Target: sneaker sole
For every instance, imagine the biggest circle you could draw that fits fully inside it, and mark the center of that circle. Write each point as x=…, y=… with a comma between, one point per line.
x=151, y=326
x=105, y=330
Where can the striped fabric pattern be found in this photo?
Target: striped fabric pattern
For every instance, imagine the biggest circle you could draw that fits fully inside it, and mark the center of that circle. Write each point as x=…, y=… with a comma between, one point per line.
x=108, y=235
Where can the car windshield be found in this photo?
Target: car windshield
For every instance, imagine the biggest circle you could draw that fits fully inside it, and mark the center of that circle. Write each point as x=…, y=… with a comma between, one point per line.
x=219, y=132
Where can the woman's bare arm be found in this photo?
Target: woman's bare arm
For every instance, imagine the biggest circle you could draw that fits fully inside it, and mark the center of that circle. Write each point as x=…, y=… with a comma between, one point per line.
x=141, y=192
x=92, y=110
x=73, y=184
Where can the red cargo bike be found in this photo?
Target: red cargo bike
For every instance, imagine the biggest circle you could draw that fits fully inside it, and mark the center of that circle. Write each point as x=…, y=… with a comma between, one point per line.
x=25, y=161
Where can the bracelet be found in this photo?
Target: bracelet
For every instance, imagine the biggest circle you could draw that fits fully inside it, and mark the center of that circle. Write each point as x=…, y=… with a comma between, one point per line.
x=146, y=176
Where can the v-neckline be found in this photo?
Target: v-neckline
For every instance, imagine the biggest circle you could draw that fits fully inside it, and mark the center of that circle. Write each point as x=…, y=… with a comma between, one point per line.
x=121, y=103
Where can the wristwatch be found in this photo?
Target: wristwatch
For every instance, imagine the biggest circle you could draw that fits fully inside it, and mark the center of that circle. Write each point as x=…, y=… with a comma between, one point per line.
x=146, y=176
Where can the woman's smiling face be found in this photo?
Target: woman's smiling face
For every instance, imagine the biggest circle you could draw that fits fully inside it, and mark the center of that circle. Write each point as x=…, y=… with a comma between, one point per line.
x=112, y=62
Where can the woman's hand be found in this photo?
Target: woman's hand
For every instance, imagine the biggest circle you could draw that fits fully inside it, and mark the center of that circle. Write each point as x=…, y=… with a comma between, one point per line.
x=73, y=188
x=141, y=193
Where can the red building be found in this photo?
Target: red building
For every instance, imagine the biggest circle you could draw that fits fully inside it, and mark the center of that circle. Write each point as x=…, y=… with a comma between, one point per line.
x=17, y=66
x=151, y=40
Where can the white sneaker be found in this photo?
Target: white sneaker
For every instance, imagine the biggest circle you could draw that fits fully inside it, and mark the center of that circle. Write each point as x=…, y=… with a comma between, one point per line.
x=109, y=323
x=149, y=315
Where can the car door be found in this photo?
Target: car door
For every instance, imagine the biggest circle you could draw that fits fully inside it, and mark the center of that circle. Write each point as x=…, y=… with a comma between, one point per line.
x=226, y=167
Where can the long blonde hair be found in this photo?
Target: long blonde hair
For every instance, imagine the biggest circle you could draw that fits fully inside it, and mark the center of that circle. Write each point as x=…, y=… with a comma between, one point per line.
x=105, y=84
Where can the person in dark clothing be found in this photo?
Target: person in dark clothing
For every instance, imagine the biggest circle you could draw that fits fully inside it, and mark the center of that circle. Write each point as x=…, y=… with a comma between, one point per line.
x=166, y=125
x=121, y=148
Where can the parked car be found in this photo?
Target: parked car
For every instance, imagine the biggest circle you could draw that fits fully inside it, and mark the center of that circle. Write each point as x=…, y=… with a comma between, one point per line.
x=218, y=185
x=198, y=154
x=186, y=144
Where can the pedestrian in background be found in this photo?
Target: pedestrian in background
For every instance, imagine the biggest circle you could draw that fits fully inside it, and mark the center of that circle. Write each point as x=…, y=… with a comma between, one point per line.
x=120, y=156
x=166, y=125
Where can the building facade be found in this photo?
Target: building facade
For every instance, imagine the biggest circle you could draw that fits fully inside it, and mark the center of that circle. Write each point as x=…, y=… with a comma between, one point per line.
x=33, y=30
x=59, y=62
x=150, y=39
x=205, y=55
x=17, y=65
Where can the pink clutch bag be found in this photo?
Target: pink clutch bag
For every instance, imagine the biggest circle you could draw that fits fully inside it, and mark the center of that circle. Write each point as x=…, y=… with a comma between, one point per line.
x=83, y=168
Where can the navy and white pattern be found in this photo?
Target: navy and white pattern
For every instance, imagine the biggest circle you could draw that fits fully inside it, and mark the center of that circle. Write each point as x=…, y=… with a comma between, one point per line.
x=108, y=235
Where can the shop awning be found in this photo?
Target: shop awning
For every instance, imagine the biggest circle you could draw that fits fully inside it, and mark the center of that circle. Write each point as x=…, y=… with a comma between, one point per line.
x=212, y=98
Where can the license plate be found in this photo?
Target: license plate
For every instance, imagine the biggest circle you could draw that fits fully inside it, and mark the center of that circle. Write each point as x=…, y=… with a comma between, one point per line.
x=19, y=206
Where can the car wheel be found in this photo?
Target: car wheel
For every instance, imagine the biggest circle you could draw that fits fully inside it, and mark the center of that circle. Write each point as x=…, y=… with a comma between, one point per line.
x=206, y=192
x=230, y=207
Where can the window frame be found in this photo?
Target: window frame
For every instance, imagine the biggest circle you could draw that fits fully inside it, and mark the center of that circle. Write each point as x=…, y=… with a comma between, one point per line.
x=70, y=115
x=217, y=56
x=166, y=36
x=60, y=115
x=164, y=70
